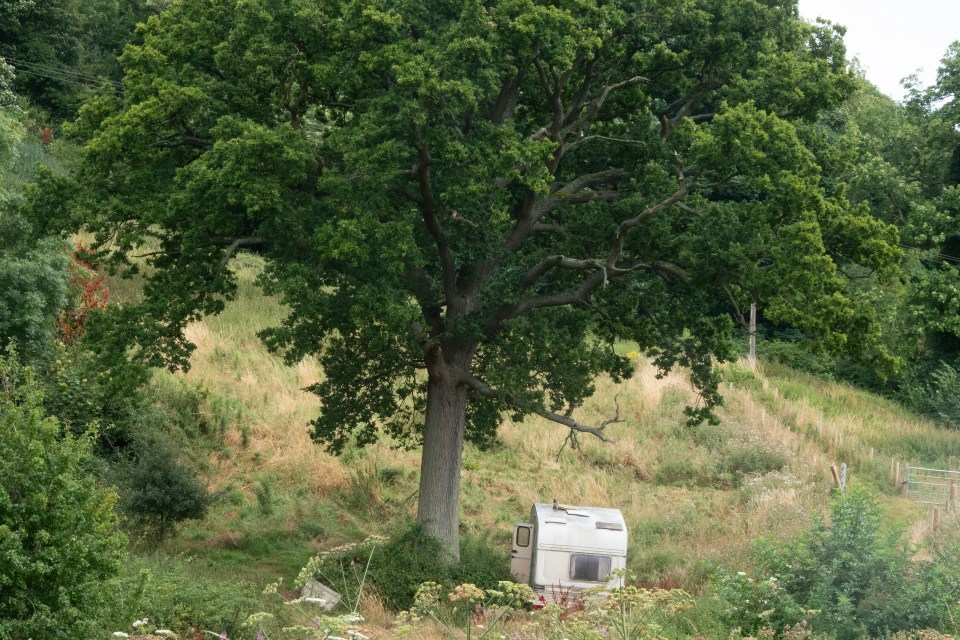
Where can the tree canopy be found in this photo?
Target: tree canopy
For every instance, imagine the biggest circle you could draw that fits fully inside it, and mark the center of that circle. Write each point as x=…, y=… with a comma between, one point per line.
x=464, y=205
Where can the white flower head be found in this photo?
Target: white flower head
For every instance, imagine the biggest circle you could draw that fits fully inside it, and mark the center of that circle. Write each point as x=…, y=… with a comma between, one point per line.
x=120, y=634
x=315, y=600
x=741, y=573
x=165, y=633
x=140, y=623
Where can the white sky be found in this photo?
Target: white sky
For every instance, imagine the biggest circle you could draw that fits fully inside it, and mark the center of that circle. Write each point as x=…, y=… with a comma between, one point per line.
x=893, y=38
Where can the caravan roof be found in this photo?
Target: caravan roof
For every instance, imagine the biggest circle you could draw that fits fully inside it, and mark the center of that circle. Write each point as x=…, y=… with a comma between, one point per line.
x=587, y=529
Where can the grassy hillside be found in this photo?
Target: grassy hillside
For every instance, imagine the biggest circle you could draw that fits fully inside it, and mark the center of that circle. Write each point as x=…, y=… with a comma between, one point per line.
x=688, y=494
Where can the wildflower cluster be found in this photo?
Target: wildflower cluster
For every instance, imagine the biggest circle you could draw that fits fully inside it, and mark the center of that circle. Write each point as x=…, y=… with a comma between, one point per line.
x=468, y=593
x=466, y=606
x=757, y=604
x=511, y=594
x=323, y=560
x=636, y=599
x=426, y=599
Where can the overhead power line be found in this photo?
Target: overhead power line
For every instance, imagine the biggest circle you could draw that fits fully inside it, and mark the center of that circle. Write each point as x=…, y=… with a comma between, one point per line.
x=942, y=256
x=42, y=66
x=60, y=74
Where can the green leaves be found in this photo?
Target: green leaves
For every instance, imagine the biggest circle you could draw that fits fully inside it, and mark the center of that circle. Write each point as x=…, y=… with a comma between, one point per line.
x=33, y=284
x=496, y=191
x=58, y=538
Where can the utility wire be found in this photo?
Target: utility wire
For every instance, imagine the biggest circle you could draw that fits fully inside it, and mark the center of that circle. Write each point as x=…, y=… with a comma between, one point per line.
x=41, y=66
x=62, y=75
x=942, y=256
x=57, y=78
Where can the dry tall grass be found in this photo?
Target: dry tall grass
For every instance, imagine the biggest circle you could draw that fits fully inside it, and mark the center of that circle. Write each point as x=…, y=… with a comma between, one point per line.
x=675, y=520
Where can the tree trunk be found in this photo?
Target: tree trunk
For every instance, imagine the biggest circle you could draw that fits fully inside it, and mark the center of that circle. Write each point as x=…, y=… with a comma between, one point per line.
x=438, y=510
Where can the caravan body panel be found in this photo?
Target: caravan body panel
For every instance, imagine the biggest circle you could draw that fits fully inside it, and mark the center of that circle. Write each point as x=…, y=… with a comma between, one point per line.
x=575, y=548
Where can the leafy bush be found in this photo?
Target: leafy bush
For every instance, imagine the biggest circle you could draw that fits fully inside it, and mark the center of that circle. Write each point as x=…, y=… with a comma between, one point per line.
x=158, y=490
x=33, y=284
x=58, y=533
x=937, y=394
x=87, y=385
x=398, y=567
x=848, y=576
x=796, y=354
x=172, y=596
x=405, y=562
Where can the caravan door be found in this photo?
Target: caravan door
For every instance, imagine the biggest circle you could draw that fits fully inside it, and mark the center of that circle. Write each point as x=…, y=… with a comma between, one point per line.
x=521, y=552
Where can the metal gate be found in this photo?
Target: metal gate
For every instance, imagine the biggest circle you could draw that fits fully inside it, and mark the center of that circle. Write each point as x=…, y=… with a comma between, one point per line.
x=931, y=486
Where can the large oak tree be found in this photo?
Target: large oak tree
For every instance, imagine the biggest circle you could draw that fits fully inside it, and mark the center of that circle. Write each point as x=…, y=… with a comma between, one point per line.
x=464, y=204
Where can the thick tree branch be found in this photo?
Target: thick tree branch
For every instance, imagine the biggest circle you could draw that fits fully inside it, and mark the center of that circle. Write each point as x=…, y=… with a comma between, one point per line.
x=507, y=99
x=565, y=419
x=430, y=308
x=184, y=141
x=428, y=209
x=235, y=244
x=601, y=275
x=536, y=272
x=553, y=96
x=593, y=108
x=685, y=106
x=580, y=98
x=617, y=246
x=563, y=193
x=738, y=314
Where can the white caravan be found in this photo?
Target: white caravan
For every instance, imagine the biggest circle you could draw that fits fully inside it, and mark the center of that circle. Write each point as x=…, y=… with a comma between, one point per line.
x=565, y=549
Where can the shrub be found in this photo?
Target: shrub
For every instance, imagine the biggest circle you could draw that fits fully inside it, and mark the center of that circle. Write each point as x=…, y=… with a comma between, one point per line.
x=58, y=533
x=85, y=384
x=33, y=285
x=938, y=395
x=859, y=579
x=797, y=354
x=481, y=563
x=406, y=561
x=173, y=596
x=400, y=565
x=158, y=491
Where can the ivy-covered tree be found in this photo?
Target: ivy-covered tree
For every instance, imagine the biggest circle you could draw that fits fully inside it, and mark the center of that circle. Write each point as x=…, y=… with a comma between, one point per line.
x=464, y=204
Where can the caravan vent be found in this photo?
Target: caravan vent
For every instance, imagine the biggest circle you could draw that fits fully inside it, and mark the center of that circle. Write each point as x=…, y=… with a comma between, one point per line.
x=574, y=512
x=555, y=521
x=613, y=526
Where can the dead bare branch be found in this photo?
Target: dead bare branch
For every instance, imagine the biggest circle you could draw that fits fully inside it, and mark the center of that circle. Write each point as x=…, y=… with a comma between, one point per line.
x=565, y=419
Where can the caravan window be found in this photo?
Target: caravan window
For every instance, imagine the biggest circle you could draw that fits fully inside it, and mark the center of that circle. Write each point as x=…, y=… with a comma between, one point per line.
x=589, y=568
x=523, y=536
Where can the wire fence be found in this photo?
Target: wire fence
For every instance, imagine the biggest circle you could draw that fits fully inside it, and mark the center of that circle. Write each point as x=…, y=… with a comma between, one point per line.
x=932, y=486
